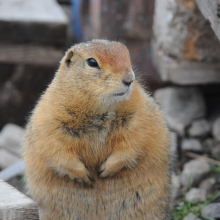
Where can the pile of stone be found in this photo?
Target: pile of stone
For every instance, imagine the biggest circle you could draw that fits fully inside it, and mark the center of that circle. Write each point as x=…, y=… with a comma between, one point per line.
x=186, y=53
x=185, y=111
x=192, y=136
x=13, y=203
x=11, y=138
x=11, y=164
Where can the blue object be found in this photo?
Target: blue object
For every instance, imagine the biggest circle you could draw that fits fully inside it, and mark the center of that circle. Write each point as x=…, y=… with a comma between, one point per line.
x=76, y=6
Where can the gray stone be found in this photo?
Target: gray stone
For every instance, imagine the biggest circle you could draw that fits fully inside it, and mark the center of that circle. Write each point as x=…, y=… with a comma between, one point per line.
x=207, y=184
x=15, y=205
x=199, y=128
x=181, y=106
x=193, y=172
x=7, y=159
x=191, y=216
x=175, y=181
x=212, y=210
x=209, y=143
x=194, y=195
x=173, y=145
x=215, y=151
x=12, y=171
x=11, y=138
x=216, y=129
x=191, y=145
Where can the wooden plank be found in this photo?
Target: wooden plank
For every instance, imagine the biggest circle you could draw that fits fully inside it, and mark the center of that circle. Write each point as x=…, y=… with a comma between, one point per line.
x=16, y=206
x=68, y=2
x=185, y=72
x=32, y=21
x=209, y=9
x=30, y=54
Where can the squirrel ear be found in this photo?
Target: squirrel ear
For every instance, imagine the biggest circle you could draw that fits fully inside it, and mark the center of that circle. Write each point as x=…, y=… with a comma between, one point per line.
x=68, y=57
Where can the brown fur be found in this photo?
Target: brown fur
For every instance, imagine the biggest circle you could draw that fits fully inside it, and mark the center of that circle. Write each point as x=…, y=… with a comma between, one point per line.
x=80, y=128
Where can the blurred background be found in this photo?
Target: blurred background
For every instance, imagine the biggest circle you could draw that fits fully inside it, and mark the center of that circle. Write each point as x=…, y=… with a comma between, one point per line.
x=175, y=51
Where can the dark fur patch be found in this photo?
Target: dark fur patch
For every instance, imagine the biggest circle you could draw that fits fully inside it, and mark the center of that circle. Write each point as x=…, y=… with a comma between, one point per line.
x=90, y=124
x=70, y=130
x=123, y=205
x=122, y=120
x=137, y=196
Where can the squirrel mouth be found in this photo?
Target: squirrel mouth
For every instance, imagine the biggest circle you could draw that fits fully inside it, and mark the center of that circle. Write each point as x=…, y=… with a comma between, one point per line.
x=119, y=94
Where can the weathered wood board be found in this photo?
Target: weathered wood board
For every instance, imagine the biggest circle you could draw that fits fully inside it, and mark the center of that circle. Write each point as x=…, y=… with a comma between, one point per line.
x=209, y=9
x=30, y=54
x=40, y=21
x=14, y=205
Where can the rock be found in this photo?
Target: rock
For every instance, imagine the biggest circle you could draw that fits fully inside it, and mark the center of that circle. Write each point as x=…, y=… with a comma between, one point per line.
x=12, y=171
x=208, y=143
x=181, y=106
x=212, y=211
x=216, y=129
x=175, y=181
x=191, y=216
x=199, y=128
x=193, y=172
x=7, y=159
x=217, y=185
x=194, y=195
x=207, y=184
x=173, y=145
x=215, y=151
x=191, y=145
x=11, y=138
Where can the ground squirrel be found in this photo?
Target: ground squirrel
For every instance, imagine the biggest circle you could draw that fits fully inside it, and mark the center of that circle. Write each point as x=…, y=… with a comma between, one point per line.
x=96, y=146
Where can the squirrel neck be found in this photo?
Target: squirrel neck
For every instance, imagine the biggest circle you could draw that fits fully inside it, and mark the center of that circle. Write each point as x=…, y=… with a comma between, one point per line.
x=81, y=104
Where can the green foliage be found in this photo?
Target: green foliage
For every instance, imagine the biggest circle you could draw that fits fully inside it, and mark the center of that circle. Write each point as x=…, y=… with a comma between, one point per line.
x=216, y=170
x=184, y=207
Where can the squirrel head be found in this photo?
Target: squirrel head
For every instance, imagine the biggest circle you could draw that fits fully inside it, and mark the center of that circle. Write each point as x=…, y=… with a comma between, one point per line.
x=100, y=69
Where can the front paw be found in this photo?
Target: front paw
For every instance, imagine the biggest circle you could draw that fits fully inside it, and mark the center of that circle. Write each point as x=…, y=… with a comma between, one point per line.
x=80, y=174
x=110, y=167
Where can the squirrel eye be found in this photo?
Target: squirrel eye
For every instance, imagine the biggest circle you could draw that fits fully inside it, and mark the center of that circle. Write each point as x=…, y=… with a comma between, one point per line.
x=93, y=63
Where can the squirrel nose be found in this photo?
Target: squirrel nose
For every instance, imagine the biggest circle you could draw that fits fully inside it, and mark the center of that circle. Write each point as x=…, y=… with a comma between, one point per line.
x=127, y=83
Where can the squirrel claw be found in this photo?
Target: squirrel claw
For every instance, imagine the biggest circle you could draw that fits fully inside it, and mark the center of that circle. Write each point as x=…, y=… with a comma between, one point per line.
x=100, y=172
x=74, y=181
x=91, y=177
